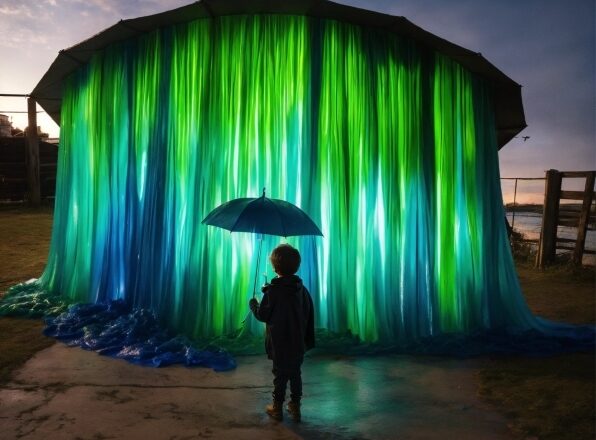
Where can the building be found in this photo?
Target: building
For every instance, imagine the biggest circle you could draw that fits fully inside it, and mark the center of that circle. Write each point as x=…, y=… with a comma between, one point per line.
x=5, y=126
x=13, y=170
x=384, y=133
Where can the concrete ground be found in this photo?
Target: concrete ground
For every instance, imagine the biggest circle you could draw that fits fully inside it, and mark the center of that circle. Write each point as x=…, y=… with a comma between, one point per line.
x=68, y=393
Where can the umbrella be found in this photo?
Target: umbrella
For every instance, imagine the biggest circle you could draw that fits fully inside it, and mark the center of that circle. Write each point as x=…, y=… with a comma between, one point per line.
x=262, y=215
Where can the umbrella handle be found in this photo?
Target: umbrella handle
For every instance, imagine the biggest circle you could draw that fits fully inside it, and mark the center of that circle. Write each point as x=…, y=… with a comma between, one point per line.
x=254, y=287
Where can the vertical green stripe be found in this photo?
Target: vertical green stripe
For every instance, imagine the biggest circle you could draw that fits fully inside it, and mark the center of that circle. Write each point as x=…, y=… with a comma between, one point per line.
x=389, y=148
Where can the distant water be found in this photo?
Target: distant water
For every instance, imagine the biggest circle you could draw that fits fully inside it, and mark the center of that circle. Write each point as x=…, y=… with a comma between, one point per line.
x=530, y=223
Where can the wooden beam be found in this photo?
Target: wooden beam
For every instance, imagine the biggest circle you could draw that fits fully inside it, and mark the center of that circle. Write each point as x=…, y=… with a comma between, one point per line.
x=576, y=208
x=568, y=223
x=32, y=156
x=548, y=233
x=575, y=173
x=584, y=218
x=574, y=195
x=568, y=215
x=586, y=251
x=565, y=240
x=566, y=248
x=12, y=179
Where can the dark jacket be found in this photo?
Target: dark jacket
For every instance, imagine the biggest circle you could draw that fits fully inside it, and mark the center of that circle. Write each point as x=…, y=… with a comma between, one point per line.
x=287, y=308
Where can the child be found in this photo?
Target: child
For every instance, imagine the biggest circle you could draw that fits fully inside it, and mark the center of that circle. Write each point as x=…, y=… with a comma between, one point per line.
x=287, y=309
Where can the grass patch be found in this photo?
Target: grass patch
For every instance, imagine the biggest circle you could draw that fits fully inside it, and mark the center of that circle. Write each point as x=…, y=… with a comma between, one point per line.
x=26, y=241
x=560, y=293
x=553, y=397
x=20, y=340
x=24, y=249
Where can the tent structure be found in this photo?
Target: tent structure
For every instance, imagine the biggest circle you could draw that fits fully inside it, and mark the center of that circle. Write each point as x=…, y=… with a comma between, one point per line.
x=386, y=135
x=507, y=101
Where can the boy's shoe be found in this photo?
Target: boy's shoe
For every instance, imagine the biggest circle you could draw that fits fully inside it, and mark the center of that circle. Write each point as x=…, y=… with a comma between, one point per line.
x=275, y=410
x=294, y=410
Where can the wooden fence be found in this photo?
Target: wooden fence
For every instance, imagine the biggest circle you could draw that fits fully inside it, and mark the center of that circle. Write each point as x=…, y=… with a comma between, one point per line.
x=555, y=214
x=14, y=184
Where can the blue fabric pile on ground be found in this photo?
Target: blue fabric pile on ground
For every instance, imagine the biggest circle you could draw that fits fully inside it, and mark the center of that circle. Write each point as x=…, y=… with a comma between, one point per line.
x=112, y=329
x=570, y=338
x=115, y=330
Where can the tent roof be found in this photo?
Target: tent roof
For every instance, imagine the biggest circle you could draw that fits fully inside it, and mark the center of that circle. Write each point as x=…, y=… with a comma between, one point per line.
x=509, y=110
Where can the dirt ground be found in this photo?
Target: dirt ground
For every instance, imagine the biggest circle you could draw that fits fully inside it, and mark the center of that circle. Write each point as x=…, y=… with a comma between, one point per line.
x=554, y=397
x=24, y=243
x=546, y=398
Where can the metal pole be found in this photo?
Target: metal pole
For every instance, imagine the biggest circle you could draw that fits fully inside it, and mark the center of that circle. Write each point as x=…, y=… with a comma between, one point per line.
x=254, y=287
x=514, y=198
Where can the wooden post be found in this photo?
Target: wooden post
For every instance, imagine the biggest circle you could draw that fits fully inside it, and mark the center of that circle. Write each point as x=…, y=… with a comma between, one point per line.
x=514, y=197
x=32, y=155
x=548, y=234
x=584, y=218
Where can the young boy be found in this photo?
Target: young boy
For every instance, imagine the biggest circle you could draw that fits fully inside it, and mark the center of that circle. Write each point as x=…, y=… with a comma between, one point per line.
x=287, y=309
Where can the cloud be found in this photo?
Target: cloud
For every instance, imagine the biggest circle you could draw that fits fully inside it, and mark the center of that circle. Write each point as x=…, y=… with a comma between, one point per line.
x=7, y=10
x=19, y=10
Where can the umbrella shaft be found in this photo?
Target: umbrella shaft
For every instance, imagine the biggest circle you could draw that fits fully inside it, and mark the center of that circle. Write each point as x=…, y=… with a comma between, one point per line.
x=254, y=287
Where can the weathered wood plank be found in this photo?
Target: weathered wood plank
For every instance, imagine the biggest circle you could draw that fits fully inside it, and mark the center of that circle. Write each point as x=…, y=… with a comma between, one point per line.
x=582, y=228
x=32, y=156
x=575, y=173
x=12, y=179
x=565, y=248
x=573, y=195
x=577, y=208
x=565, y=240
x=548, y=233
x=572, y=216
x=568, y=223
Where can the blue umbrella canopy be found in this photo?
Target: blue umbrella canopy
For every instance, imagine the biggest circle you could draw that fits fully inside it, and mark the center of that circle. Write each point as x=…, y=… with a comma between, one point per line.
x=262, y=215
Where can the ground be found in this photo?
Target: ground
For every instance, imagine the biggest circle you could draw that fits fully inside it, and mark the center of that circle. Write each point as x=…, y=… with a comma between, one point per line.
x=69, y=393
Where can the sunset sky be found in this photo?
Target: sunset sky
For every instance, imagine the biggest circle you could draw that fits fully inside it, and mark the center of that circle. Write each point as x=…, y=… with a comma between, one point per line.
x=548, y=46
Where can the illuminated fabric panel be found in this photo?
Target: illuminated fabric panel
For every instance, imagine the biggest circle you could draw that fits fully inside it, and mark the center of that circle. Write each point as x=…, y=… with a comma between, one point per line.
x=391, y=149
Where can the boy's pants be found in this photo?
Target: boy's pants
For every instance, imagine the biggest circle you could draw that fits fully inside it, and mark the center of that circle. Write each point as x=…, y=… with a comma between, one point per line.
x=281, y=375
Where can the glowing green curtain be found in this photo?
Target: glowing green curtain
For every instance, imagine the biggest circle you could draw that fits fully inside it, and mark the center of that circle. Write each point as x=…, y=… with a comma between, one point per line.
x=390, y=148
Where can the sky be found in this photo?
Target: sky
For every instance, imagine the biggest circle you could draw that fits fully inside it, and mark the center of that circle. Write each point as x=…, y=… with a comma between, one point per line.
x=547, y=46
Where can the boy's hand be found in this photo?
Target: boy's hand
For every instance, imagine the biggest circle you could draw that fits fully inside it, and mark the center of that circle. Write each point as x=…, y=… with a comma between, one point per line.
x=264, y=287
x=253, y=303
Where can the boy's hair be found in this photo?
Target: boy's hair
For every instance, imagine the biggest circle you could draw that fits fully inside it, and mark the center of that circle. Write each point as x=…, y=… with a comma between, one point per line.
x=285, y=259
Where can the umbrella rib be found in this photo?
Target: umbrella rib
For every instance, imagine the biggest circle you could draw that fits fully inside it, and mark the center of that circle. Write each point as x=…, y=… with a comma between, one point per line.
x=238, y=219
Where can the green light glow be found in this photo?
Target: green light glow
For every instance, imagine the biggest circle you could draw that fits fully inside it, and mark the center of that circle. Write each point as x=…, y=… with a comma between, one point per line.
x=389, y=148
